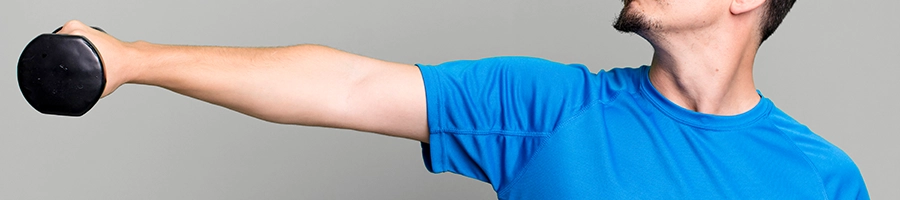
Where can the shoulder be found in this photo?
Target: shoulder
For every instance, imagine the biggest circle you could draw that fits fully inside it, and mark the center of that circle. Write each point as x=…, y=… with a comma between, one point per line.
x=540, y=72
x=840, y=176
x=510, y=93
x=512, y=65
x=810, y=143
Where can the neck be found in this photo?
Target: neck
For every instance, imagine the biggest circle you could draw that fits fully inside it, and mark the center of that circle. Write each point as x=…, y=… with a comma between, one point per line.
x=706, y=73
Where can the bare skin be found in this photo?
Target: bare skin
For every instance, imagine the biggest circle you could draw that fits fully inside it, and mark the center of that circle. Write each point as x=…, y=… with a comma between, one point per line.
x=704, y=52
x=703, y=61
x=305, y=84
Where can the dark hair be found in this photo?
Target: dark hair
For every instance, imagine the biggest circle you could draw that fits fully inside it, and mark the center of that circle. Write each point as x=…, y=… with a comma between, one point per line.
x=775, y=12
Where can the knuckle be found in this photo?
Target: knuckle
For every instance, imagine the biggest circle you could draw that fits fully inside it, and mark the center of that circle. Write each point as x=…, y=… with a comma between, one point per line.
x=71, y=24
x=71, y=27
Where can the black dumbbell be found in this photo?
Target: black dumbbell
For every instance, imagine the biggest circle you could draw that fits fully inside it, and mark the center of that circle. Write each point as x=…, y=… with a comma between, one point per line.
x=61, y=74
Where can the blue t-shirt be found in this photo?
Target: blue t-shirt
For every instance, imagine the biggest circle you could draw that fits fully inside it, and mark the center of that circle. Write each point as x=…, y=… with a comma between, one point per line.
x=536, y=129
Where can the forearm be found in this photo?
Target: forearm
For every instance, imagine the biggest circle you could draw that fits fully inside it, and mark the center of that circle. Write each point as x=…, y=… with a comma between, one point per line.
x=304, y=84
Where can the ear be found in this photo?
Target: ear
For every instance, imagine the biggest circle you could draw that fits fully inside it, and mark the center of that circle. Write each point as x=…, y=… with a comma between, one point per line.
x=742, y=6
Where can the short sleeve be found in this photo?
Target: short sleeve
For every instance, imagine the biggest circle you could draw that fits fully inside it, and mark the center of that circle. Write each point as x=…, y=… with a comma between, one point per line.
x=488, y=117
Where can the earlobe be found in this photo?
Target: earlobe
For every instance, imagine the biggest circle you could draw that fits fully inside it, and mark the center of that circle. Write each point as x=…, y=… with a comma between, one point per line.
x=742, y=6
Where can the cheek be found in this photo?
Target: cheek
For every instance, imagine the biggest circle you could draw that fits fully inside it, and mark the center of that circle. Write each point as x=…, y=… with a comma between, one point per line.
x=690, y=13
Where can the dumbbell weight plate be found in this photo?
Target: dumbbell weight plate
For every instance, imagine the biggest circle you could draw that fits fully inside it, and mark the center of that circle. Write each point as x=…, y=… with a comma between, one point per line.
x=61, y=74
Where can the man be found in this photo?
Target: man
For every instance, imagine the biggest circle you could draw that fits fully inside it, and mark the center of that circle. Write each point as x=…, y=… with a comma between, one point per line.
x=689, y=126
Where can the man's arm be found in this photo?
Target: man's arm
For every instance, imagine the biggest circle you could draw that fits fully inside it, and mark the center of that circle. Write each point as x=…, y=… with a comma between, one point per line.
x=306, y=84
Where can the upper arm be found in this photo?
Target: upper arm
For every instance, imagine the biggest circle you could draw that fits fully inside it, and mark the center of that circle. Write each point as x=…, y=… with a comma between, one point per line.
x=386, y=98
x=390, y=98
x=488, y=117
x=509, y=94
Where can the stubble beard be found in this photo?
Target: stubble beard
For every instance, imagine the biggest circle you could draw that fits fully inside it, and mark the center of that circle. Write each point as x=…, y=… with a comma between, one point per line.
x=630, y=21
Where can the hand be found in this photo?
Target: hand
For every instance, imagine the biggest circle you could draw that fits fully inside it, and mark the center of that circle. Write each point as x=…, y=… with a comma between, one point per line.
x=118, y=57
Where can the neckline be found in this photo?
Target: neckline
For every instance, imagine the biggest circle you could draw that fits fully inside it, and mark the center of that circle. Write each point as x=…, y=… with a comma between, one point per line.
x=697, y=119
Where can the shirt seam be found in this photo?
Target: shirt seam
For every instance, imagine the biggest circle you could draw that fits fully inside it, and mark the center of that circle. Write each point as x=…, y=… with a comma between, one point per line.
x=437, y=112
x=515, y=179
x=805, y=157
x=599, y=100
x=670, y=115
x=493, y=132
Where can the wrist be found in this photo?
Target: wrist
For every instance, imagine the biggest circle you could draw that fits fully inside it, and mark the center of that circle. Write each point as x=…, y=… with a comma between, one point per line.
x=140, y=58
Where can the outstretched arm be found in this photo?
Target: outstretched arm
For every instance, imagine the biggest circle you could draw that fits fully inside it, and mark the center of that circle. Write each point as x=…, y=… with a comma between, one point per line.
x=305, y=84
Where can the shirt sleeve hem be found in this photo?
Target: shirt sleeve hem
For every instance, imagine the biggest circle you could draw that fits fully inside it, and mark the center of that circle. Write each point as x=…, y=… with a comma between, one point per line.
x=432, y=152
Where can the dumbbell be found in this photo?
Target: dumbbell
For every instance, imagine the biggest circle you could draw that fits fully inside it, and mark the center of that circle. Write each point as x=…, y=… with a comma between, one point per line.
x=61, y=74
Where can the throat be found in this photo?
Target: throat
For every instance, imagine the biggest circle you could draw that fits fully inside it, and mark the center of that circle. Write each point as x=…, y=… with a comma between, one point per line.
x=708, y=90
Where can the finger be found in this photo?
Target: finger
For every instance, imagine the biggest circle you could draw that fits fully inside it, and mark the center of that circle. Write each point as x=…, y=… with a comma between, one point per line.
x=69, y=27
x=95, y=28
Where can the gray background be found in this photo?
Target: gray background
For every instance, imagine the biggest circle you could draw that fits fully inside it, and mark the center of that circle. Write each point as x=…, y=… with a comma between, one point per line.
x=831, y=66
